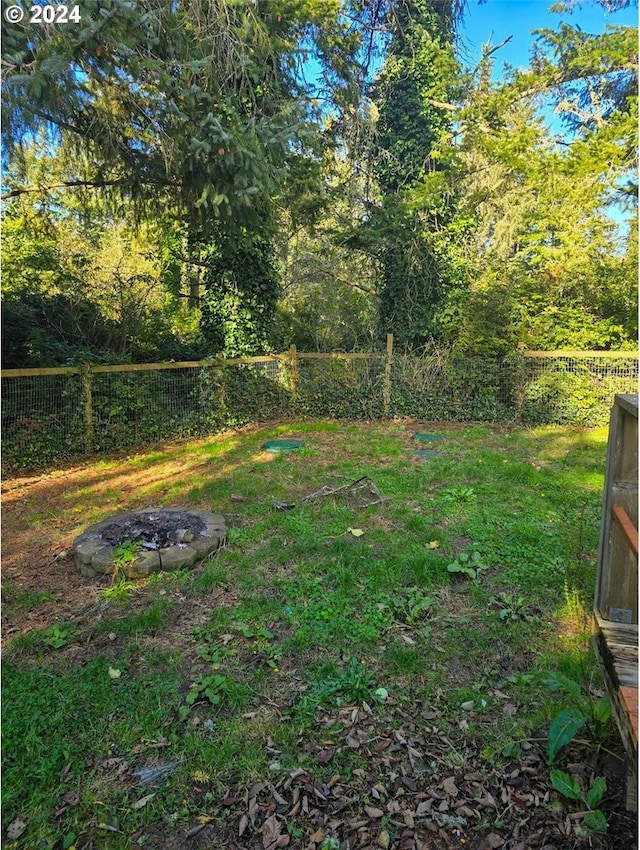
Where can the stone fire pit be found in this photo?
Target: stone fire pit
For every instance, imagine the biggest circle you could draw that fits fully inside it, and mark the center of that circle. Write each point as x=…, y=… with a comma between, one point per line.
x=138, y=543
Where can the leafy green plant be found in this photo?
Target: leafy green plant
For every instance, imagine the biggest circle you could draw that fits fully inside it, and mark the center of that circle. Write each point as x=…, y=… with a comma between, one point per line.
x=352, y=685
x=121, y=587
x=457, y=495
x=126, y=552
x=320, y=621
x=58, y=636
x=206, y=687
x=214, y=654
x=594, y=819
x=264, y=642
x=250, y=631
x=210, y=633
x=563, y=729
x=582, y=711
x=123, y=554
x=214, y=689
x=295, y=831
x=410, y=608
x=372, y=623
x=512, y=749
x=469, y=565
x=416, y=605
x=511, y=607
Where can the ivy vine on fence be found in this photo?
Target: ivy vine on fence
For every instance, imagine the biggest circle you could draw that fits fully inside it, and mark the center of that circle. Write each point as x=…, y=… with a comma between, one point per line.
x=52, y=414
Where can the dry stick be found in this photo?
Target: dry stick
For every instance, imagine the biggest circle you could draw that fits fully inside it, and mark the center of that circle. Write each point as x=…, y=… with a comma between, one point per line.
x=323, y=491
x=359, y=484
x=196, y=829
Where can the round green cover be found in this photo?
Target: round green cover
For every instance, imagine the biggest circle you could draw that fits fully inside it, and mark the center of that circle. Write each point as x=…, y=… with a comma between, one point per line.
x=282, y=445
x=426, y=453
x=428, y=438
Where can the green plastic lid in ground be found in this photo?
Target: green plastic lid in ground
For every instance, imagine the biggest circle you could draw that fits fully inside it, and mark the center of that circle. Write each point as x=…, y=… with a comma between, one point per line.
x=426, y=453
x=282, y=445
x=428, y=438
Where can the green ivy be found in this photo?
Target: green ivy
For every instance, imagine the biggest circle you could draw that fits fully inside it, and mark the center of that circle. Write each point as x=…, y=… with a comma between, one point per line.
x=417, y=75
x=239, y=305
x=43, y=417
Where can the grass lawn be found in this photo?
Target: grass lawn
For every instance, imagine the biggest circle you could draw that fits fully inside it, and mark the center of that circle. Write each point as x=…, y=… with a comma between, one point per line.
x=341, y=675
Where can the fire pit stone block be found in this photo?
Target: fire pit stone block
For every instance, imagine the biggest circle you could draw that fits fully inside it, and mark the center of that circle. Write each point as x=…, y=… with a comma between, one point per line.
x=144, y=564
x=86, y=551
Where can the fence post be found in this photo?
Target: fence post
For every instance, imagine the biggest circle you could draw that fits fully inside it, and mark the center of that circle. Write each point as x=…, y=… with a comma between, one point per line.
x=222, y=389
x=386, y=385
x=87, y=408
x=519, y=383
x=293, y=369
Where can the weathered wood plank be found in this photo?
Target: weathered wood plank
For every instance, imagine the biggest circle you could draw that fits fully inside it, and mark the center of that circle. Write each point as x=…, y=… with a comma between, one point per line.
x=617, y=648
x=188, y=364
x=616, y=595
x=621, y=632
x=624, y=703
x=150, y=367
x=629, y=697
x=621, y=668
x=627, y=400
x=338, y=355
x=36, y=371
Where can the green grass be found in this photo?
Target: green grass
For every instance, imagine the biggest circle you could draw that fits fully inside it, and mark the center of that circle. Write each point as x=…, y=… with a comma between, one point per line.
x=228, y=667
x=18, y=599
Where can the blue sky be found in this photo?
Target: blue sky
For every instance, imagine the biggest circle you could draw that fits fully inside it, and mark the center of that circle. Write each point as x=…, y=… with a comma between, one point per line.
x=495, y=20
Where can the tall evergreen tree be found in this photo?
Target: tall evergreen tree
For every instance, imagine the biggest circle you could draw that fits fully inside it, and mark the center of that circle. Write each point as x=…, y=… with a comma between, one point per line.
x=197, y=108
x=550, y=265
x=412, y=95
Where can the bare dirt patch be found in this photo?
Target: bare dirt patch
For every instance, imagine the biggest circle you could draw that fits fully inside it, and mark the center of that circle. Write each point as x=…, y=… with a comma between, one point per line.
x=41, y=515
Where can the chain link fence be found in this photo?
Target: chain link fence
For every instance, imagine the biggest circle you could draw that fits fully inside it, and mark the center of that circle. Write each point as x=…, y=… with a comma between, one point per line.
x=53, y=414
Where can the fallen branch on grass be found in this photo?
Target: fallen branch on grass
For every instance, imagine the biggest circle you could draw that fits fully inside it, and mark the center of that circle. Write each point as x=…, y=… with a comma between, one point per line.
x=352, y=489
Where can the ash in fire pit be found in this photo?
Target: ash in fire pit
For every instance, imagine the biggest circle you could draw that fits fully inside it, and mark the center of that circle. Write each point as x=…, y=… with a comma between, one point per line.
x=155, y=530
x=143, y=542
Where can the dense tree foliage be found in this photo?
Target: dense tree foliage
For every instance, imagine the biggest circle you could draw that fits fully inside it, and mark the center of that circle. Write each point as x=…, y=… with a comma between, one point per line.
x=240, y=303
x=548, y=265
x=196, y=105
x=197, y=108
x=184, y=179
x=87, y=293
x=329, y=291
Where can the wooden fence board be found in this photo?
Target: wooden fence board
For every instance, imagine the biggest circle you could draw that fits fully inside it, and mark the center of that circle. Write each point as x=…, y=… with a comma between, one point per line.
x=266, y=358
x=45, y=370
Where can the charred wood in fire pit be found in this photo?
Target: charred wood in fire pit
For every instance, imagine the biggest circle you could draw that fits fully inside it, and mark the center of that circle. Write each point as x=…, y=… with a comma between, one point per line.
x=166, y=538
